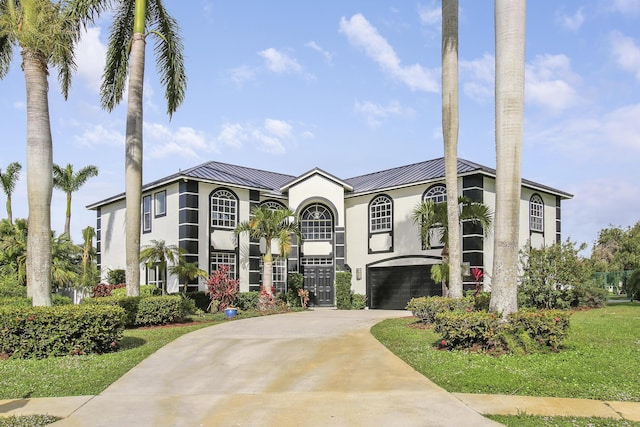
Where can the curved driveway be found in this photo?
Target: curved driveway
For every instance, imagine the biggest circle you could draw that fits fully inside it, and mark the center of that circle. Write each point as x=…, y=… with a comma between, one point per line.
x=320, y=367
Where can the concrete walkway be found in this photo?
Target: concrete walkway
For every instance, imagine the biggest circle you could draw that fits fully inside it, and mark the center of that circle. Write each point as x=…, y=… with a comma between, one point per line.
x=316, y=368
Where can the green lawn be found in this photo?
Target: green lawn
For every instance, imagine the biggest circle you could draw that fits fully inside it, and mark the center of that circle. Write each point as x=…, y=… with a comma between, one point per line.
x=600, y=359
x=533, y=421
x=89, y=374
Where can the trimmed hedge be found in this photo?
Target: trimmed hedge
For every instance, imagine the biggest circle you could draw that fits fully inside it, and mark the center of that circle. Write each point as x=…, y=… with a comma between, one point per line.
x=526, y=331
x=426, y=308
x=247, y=300
x=343, y=290
x=145, y=291
x=144, y=311
x=28, y=302
x=201, y=299
x=39, y=332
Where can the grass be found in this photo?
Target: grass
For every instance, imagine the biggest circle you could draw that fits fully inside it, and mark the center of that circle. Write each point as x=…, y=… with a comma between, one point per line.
x=534, y=421
x=90, y=374
x=27, y=421
x=600, y=359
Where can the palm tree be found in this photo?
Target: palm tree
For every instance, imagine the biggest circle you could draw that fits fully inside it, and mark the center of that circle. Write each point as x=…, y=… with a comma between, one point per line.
x=159, y=254
x=126, y=56
x=440, y=274
x=187, y=271
x=13, y=249
x=270, y=224
x=431, y=216
x=46, y=33
x=450, y=137
x=510, y=20
x=64, y=179
x=8, y=179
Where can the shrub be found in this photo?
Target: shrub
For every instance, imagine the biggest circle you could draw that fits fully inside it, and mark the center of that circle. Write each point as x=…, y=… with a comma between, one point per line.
x=117, y=276
x=589, y=297
x=156, y=310
x=222, y=289
x=358, y=301
x=145, y=291
x=28, y=302
x=200, y=299
x=426, y=308
x=60, y=330
x=295, y=282
x=9, y=288
x=247, y=300
x=632, y=287
x=104, y=290
x=343, y=290
x=526, y=331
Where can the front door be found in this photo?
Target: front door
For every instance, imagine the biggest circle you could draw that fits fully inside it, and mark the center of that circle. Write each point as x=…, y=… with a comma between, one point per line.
x=318, y=280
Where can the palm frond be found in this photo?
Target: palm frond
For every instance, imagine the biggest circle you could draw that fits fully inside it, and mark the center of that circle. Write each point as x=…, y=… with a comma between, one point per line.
x=116, y=67
x=169, y=52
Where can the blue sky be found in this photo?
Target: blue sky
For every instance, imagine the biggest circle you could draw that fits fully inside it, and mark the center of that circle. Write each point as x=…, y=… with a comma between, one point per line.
x=353, y=87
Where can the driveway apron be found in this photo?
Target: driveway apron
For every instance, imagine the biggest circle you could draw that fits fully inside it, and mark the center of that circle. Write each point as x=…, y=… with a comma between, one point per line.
x=320, y=367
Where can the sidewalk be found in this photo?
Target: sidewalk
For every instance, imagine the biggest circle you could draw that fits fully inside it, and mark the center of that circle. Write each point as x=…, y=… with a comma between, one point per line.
x=314, y=368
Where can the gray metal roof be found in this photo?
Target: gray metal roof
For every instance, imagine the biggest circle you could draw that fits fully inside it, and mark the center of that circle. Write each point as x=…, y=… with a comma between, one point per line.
x=272, y=182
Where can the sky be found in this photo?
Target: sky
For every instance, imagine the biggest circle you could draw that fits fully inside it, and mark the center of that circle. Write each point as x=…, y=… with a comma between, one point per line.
x=353, y=87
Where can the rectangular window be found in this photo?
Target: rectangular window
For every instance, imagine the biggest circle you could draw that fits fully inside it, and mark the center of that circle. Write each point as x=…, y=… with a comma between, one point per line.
x=279, y=274
x=161, y=203
x=146, y=214
x=154, y=277
x=224, y=258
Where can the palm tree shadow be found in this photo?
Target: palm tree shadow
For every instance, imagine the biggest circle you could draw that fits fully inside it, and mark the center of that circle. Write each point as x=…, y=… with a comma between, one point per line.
x=129, y=343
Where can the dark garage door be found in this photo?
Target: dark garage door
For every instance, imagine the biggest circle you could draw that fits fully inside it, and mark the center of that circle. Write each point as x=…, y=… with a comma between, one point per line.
x=391, y=288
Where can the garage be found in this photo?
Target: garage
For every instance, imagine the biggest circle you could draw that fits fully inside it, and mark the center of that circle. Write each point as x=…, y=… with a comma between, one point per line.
x=391, y=288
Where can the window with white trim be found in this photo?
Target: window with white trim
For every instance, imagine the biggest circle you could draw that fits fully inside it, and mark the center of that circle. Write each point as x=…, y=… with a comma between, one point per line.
x=380, y=214
x=219, y=259
x=146, y=214
x=160, y=203
x=536, y=213
x=437, y=193
x=279, y=276
x=224, y=209
x=316, y=223
x=154, y=276
x=273, y=205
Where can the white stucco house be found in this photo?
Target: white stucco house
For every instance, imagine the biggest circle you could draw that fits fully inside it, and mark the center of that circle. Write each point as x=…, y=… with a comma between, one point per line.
x=362, y=224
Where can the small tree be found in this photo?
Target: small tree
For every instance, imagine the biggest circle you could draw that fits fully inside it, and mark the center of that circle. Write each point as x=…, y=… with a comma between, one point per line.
x=159, y=254
x=8, y=180
x=66, y=180
x=222, y=289
x=187, y=271
x=440, y=274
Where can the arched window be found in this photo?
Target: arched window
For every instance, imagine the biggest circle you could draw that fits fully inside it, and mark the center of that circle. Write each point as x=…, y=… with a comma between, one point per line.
x=316, y=223
x=437, y=193
x=224, y=209
x=273, y=205
x=380, y=214
x=536, y=213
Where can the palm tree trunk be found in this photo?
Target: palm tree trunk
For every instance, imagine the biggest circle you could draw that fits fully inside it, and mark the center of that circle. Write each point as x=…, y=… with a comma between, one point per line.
x=9, y=211
x=133, y=164
x=450, y=136
x=67, y=219
x=267, y=276
x=39, y=177
x=510, y=19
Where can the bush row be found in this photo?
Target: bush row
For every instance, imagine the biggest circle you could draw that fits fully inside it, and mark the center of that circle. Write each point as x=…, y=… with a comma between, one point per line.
x=526, y=331
x=38, y=332
x=144, y=311
x=28, y=302
x=426, y=308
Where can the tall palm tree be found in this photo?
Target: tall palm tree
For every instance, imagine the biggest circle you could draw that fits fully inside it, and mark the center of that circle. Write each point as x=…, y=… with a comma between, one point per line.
x=64, y=179
x=126, y=57
x=450, y=137
x=270, y=224
x=8, y=179
x=510, y=21
x=159, y=254
x=46, y=33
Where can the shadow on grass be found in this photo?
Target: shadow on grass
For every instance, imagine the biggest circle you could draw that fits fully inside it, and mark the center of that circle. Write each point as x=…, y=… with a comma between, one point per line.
x=129, y=343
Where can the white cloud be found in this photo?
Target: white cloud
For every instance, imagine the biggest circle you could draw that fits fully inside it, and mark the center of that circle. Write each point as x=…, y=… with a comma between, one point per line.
x=100, y=135
x=376, y=114
x=625, y=52
x=478, y=78
x=572, y=22
x=242, y=74
x=549, y=82
x=279, y=62
x=431, y=15
x=626, y=6
x=327, y=55
x=362, y=34
x=162, y=141
x=270, y=136
x=90, y=58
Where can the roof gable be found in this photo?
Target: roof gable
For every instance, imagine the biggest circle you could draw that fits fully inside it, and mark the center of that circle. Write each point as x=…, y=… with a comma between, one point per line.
x=313, y=172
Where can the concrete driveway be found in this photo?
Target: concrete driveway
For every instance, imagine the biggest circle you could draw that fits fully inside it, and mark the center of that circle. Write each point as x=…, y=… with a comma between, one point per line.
x=321, y=367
